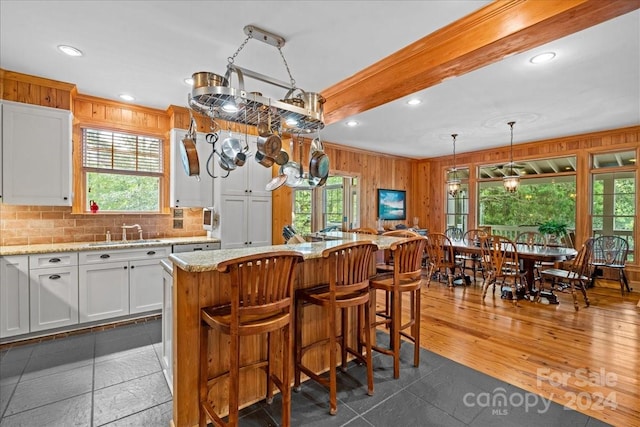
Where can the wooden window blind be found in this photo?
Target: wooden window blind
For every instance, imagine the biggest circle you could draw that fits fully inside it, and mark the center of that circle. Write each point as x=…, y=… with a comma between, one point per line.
x=121, y=152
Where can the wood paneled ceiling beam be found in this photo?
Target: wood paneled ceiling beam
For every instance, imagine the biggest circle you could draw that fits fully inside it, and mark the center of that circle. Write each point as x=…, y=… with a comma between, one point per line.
x=486, y=36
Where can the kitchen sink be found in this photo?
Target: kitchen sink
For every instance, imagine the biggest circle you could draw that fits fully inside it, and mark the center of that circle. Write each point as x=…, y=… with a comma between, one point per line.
x=125, y=242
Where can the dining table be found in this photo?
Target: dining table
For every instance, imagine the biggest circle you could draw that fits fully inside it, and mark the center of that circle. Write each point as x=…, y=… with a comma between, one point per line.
x=529, y=254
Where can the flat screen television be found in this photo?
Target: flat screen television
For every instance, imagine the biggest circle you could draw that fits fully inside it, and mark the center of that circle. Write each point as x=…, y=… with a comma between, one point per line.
x=392, y=204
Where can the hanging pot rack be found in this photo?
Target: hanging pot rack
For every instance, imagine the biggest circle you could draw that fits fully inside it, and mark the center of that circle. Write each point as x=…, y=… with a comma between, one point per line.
x=210, y=100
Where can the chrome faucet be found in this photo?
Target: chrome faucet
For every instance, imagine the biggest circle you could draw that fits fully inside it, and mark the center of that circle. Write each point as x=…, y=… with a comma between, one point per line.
x=124, y=231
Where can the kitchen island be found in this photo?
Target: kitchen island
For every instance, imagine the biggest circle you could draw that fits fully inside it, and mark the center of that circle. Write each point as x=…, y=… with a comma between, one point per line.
x=198, y=284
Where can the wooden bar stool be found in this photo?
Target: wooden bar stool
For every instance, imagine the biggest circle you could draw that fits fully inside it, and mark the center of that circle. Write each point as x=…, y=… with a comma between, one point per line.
x=348, y=287
x=405, y=278
x=261, y=289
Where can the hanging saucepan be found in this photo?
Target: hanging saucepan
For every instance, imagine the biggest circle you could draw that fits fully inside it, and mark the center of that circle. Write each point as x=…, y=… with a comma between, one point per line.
x=263, y=159
x=282, y=157
x=319, y=161
x=269, y=145
x=232, y=150
x=313, y=101
x=189, y=153
x=225, y=163
x=263, y=126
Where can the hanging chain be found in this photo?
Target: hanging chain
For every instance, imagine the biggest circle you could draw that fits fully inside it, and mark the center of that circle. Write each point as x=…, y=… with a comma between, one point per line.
x=232, y=58
x=293, y=82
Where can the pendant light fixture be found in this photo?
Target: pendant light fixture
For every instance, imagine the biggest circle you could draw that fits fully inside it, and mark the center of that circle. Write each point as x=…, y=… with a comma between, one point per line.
x=453, y=183
x=511, y=181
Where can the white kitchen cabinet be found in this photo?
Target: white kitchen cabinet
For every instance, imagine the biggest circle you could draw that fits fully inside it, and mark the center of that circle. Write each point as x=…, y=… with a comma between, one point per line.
x=145, y=285
x=187, y=191
x=247, y=180
x=245, y=221
x=36, y=155
x=167, y=324
x=103, y=291
x=14, y=295
x=120, y=282
x=53, y=296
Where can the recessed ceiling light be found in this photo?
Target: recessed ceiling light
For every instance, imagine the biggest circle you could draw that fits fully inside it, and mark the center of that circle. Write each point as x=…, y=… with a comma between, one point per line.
x=414, y=101
x=126, y=97
x=69, y=50
x=543, y=57
x=352, y=123
x=189, y=81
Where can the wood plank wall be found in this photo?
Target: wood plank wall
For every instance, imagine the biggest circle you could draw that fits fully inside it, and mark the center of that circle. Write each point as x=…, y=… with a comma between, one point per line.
x=36, y=90
x=431, y=192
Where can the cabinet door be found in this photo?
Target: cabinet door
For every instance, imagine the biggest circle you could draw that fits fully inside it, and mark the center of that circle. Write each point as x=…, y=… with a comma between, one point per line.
x=167, y=327
x=259, y=225
x=14, y=295
x=233, y=222
x=187, y=191
x=103, y=291
x=54, y=297
x=36, y=144
x=145, y=285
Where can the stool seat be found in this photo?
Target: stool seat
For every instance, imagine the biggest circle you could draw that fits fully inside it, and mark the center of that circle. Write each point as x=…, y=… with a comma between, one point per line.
x=260, y=293
x=348, y=287
x=406, y=278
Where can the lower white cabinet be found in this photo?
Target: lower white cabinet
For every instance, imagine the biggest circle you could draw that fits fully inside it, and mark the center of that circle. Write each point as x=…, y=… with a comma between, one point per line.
x=53, y=291
x=120, y=282
x=103, y=291
x=14, y=295
x=167, y=325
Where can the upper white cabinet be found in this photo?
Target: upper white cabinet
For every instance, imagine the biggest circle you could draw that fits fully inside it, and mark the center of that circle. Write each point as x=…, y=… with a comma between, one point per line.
x=36, y=155
x=14, y=295
x=187, y=191
x=247, y=180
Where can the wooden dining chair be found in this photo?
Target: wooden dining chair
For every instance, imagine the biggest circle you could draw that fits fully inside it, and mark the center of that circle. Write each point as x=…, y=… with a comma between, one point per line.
x=535, y=239
x=406, y=278
x=576, y=275
x=441, y=258
x=502, y=267
x=471, y=260
x=454, y=233
x=363, y=230
x=610, y=252
x=347, y=288
x=387, y=263
x=260, y=292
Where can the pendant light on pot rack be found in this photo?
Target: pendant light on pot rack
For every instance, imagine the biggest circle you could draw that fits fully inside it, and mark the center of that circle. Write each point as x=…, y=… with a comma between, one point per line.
x=453, y=183
x=511, y=181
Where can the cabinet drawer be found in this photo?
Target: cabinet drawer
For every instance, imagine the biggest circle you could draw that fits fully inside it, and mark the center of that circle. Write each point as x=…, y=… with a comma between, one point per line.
x=61, y=259
x=102, y=256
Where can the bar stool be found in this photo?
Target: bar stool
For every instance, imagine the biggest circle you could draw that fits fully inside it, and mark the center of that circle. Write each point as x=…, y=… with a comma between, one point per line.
x=348, y=268
x=261, y=301
x=405, y=278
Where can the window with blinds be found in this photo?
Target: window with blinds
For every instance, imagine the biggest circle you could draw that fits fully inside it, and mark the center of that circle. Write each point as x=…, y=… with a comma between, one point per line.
x=121, y=152
x=122, y=172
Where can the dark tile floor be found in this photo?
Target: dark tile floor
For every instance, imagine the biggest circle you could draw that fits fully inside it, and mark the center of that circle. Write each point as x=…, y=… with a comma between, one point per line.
x=114, y=378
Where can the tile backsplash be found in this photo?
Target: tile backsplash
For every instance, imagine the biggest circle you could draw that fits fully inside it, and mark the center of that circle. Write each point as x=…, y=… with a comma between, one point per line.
x=24, y=225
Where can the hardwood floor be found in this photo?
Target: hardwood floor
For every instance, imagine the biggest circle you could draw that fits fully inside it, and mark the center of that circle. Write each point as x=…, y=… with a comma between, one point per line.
x=587, y=360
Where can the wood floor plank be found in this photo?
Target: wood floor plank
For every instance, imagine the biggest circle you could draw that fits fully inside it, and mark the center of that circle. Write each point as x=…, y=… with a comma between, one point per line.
x=579, y=359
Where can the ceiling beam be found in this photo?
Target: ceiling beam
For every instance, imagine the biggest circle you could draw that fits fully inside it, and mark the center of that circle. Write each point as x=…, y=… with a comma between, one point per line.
x=486, y=36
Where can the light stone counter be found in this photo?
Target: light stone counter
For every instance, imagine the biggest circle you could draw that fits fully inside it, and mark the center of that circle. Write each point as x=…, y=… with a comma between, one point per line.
x=209, y=260
x=89, y=246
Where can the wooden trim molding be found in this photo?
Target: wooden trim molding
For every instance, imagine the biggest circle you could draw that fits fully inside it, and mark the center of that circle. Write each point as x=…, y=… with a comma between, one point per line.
x=481, y=38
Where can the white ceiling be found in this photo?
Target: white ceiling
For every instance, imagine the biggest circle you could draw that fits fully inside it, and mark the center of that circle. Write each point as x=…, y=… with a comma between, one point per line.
x=147, y=48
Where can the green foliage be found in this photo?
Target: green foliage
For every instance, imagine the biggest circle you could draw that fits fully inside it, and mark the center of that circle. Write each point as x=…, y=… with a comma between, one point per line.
x=553, y=227
x=123, y=193
x=532, y=204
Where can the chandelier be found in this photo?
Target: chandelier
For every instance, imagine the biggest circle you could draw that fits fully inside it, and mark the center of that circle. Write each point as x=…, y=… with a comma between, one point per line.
x=453, y=183
x=511, y=181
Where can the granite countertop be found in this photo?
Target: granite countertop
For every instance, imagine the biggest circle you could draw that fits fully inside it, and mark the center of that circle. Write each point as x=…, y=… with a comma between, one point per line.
x=89, y=246
x=209, y=260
